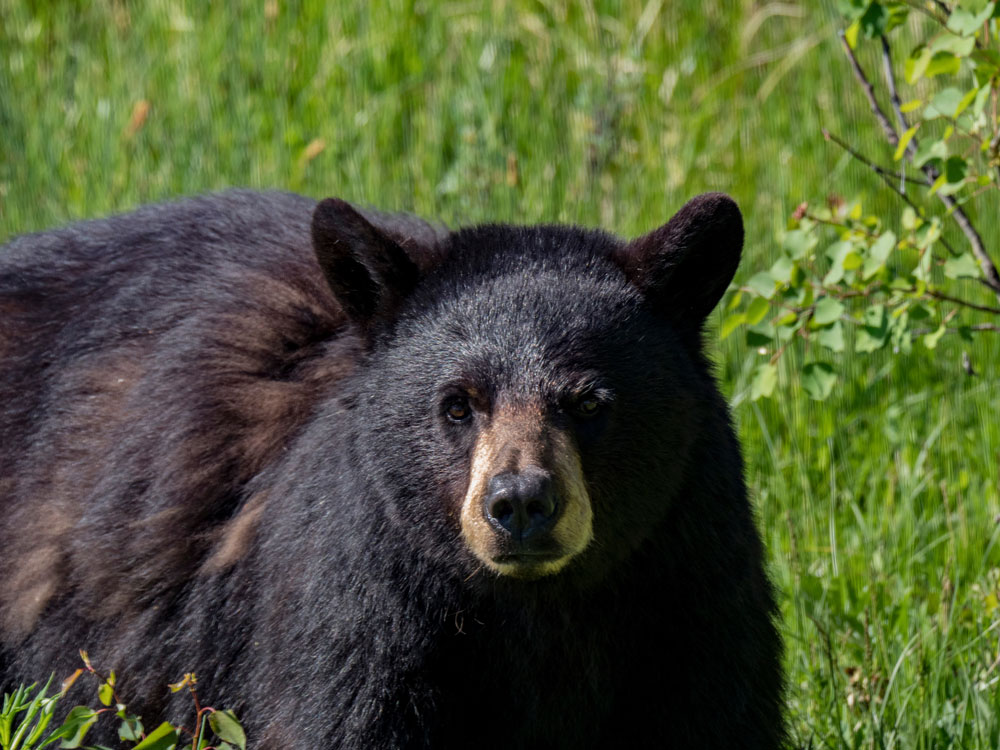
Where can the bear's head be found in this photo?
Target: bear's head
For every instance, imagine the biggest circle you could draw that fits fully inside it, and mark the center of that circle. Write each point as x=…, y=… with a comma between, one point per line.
x=531, y=395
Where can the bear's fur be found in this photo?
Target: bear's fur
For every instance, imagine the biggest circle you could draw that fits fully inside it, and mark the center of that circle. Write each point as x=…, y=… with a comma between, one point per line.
x=383, y=485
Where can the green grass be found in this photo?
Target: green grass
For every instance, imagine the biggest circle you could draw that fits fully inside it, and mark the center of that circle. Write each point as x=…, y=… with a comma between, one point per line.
x=878, y=506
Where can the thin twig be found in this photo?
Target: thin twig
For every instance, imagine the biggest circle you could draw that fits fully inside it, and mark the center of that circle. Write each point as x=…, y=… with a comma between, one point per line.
x=964, y=303
x=922, y=8
x=890, y=132
x=839, y=225
x=886, y=176
x=897, y=105
x=879, y=170
x=995, y=140
x=973, y=327
x=990, y=274
x=989, y=270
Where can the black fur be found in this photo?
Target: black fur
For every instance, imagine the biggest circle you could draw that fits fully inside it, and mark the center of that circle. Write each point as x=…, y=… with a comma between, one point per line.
x=212, y=463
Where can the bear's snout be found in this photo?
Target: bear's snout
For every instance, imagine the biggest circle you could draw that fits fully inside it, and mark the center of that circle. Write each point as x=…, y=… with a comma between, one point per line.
x=523, y=506
x=526, y=511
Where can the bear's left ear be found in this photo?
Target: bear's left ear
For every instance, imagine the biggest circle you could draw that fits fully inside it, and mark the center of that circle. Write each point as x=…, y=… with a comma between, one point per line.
x=685, y=266
x=368, y=271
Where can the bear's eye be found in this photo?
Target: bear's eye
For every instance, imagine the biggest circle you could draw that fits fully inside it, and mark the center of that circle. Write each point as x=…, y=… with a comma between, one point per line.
x=458, y=410
x=588, y=406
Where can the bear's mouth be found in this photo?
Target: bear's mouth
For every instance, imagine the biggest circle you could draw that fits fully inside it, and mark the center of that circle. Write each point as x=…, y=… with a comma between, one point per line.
x=526, y=557
x=529, y=566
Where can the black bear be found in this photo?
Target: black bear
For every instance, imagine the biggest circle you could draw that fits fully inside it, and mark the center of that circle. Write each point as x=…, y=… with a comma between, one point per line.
x=382, y=485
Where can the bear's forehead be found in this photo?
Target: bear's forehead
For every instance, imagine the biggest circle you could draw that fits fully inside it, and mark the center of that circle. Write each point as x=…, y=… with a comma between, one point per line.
x=536, y=329
x=525, y=307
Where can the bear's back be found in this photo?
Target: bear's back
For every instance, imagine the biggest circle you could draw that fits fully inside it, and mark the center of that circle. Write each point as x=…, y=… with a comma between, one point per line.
x=151, y=364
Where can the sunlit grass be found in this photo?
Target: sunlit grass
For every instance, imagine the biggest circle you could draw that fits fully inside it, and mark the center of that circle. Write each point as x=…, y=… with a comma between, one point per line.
x=878, y=506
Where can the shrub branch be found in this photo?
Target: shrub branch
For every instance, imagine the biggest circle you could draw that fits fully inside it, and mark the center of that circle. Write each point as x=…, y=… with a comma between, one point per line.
x=991, y=278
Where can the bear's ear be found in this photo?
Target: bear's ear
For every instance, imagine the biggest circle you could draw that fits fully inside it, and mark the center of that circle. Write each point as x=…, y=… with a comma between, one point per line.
x=685, y=266
x=368, y=271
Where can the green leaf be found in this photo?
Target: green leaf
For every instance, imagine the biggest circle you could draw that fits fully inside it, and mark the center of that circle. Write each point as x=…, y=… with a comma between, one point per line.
x=879, y=253
x=163, y=737
x=764, y=379
x=931, y=339
x=757, y=310
x=755, y=338
x=899, y=329
x=852, y=261
x=965, y=266
x=874, y=21
x=898, y=13
x=805, y=296
x=952, y=178
x=975, y=6
x=916, y=64
x=762, y=284
x=956, y=168
x=928, y=233
x=944, y=103
x=982, y=97
x=851, y=34
x=782, y=269
x=910, y=219
x=836, y=253
x=987, y=63
x=734, y=301
x=970, y=96
x=799, y=242
x=942, y=63
x=904, y=141
x=818, y=379
x=832, y=337
x=882, y=248
x=105, y=694
x=732, y=322
x=130, y=729
x=939, y=183
x=961, y=46
x=874, y=333
x=227, y=727
x=911, y=105
x=787, y=319
x=966, y=22
x=827, y=310
x=852, y=9
x=73, y=730
x=930, y=149
x=798, y=276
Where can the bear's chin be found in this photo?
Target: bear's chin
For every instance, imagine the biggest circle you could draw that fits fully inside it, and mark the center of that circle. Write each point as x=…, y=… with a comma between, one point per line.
x=528, y=567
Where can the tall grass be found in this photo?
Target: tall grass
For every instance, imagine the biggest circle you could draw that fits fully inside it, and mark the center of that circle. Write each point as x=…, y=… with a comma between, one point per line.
x=879, y=506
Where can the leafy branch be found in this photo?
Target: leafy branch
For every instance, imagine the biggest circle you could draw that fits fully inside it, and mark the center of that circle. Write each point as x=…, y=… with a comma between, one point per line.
x=25, y=716
x=847, y=279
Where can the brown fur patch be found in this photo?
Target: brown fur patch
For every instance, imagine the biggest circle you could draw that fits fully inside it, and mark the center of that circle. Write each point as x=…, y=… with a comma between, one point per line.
x=39, y=537
x=518, y=438
x=259, y=374
x=234, y=539
x=35, y=578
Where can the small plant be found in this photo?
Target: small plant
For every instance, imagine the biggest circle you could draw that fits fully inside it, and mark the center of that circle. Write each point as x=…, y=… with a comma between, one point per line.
x=852, y=280
x=26, y=716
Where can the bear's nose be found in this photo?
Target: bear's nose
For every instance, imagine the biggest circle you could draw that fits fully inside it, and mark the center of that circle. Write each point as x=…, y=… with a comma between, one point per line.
x=523, y=504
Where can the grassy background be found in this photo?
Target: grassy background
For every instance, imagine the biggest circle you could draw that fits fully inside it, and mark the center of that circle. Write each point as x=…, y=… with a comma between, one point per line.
x=879, y=507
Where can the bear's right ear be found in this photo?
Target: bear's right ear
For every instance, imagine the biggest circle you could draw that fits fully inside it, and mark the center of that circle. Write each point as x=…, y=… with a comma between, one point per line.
x=367, y=270
x=684, y=267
